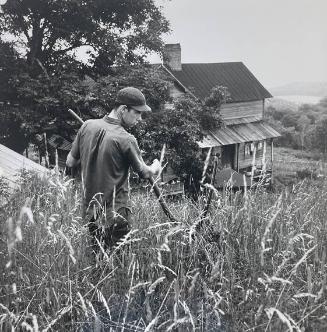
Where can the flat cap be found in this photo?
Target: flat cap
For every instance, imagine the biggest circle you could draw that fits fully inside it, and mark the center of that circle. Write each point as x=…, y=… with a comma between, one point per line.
x=132, y=97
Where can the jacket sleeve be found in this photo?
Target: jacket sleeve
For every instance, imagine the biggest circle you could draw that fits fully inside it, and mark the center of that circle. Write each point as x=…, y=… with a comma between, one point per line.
x=134, y=157
x=75, y=150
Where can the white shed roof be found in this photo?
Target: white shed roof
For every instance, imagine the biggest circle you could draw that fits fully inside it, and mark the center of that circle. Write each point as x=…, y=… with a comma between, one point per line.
x=11, y=163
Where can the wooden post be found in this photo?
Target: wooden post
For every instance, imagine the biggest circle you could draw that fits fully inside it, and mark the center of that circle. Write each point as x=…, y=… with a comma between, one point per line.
x=26, y=151
x=47, y=163
x=272, y=160
x=206, y=164
x=264, y=151
x=253, y=162
x=237, y=157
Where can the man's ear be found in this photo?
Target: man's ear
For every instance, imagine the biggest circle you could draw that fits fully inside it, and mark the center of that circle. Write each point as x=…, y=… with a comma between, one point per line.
x=121, y=107
x=121, y=110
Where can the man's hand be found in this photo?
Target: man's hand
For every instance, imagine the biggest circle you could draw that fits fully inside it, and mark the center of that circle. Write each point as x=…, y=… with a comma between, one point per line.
x=149, y=171
x=71, y=161
x=156, y=167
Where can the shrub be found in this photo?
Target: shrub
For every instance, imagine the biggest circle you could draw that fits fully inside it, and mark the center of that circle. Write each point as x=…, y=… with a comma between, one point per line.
x=4, y=190
x=306, y=173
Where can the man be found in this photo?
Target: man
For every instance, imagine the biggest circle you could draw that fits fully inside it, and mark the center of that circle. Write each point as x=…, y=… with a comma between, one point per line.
x=106, y=152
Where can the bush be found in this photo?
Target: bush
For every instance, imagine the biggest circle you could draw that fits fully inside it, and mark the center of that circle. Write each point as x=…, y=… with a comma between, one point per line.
x=306, y=173
x=4, y=190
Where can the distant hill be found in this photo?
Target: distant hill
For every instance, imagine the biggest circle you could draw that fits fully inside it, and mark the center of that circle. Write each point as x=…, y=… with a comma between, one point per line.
x=292, y=102
x=280, y=104
x=318, y=89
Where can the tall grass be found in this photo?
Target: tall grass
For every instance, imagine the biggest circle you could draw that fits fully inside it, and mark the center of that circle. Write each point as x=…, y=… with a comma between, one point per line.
x=258, y=263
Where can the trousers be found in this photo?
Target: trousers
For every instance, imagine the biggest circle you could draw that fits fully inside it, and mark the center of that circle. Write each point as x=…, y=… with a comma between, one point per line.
x=107, y=229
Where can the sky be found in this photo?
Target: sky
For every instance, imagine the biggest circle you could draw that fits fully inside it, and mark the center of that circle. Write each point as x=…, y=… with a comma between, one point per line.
x=280, y=41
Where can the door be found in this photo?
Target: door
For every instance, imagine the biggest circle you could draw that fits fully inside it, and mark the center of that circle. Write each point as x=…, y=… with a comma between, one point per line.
x=228, y=156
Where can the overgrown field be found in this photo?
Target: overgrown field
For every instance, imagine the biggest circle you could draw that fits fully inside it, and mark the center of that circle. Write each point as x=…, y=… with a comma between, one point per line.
x=257, y=264
x=292, y=166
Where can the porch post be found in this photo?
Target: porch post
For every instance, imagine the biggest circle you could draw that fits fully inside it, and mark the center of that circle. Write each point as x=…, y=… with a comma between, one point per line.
x=253, y=162
x=272, y=159
x=238, y=157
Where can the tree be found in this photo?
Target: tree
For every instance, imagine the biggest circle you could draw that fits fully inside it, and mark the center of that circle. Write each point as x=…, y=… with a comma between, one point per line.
x=13, y=132
x=48, y=30
x=153, y=82
x=38, y=104
x=10, y=66
x=323, y=103
x=321, y=135
x=274, y=113
x=288, y=138
x=44, y=78
x=303, y=127
x=290, y=119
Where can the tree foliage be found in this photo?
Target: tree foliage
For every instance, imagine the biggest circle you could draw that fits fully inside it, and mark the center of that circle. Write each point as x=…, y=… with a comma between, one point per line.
x=153, y=82
x=13, y=132
x=321, y=135
x=11, y=65
x=45, y=78
x=113, y=30
x=301, y=129
x=40, y=102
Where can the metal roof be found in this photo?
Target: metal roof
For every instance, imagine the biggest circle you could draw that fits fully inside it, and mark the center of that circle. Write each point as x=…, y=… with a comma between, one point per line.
x=208, y=141
x=11, y=163
x=200, y=78
x=241, y=133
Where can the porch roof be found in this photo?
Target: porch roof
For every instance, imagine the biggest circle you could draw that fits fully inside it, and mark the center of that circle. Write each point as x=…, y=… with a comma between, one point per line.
x=240, y=133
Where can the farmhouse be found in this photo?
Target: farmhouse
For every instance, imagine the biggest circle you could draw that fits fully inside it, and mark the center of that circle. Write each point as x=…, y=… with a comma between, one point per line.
x=245, y=142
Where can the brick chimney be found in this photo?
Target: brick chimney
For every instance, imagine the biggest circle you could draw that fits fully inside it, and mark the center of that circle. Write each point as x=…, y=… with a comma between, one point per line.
x=172, y=56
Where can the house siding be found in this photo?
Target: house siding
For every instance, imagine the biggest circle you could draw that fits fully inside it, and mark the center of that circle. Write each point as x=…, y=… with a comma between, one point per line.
x=242, y=110
x=230, y=111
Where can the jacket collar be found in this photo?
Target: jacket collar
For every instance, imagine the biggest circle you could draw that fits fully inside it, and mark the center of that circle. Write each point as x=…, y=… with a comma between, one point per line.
x=112, y=120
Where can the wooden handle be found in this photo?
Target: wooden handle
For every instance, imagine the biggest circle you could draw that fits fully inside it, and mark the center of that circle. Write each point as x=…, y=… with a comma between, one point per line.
x=71, y=112
x=161, y=200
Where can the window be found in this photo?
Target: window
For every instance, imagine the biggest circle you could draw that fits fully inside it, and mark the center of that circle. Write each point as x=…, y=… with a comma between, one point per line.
x=248, y=149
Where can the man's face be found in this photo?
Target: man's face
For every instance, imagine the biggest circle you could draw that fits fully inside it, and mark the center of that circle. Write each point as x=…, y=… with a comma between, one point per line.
x=131, y=116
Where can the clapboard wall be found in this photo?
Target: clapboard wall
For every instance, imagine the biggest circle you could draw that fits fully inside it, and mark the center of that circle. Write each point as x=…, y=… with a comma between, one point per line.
x=242, y=110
